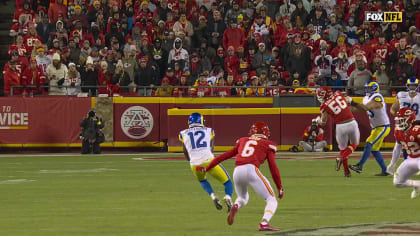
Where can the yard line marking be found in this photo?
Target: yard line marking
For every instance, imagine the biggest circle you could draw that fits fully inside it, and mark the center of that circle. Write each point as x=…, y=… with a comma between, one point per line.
x=16, y=181
x=76, y=171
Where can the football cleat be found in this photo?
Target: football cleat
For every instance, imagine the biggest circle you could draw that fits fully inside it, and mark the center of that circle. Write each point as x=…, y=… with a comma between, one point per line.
x=390, y=169
x=415, y=193
x=228, y=202
x=217, y=204
x=232, y=213
x=383, y=173
x=357, y=168
x=338, y=162
x=347, y=173
x=267, y=227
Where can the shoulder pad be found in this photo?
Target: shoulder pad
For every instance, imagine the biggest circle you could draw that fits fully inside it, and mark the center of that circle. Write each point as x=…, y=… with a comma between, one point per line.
x=401, y=94
x=377, y=99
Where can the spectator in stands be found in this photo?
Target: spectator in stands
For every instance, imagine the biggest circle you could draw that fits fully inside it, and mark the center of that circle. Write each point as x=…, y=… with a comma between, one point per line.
x=89, y=76
x=401, y=71
x=72, y=80
x=287, y=8
x=233, y=36
x=145, y=76
x=358, y=78
x=216, y=29
x=184, y=30
x=261, y=60
x=57, y=9
x=341, y=64
x=255, y=92
x=383, y=79
x=56, y=73
x=179, y=54
x=11, y=78
x=300, y=63
x=313, y=138
x=335, y=81
x=44, y=29
x=201, y=88
x=33, y=76
x=324, y=63
x=122, y=79
x=105, y=78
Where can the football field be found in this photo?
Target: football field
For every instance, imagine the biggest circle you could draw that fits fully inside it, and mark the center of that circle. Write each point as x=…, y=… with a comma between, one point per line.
x=157, y=194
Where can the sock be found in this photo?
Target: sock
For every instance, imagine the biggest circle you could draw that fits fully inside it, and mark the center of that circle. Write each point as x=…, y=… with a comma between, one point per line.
x=228, y=187
x=396, y=152
x=366, y=153
x=379, y=159
x=405, y=154
x=270, y=209
x=349, y=150
x=409, y=183
x=206, y=186
x=346, y=164
x=213, y=196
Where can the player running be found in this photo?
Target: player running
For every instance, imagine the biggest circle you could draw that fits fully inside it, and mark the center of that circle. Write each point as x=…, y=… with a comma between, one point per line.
x=407, y=133
x=375, y=107
x=198, y=143
x=250, y=153
x=334, y=105
x=410, y=99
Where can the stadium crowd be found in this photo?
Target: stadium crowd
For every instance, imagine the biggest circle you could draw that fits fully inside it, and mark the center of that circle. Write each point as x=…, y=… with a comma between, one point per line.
x=191, y=47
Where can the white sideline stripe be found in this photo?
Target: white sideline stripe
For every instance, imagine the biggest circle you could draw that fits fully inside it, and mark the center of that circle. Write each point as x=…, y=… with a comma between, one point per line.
x=16, y=181
x=76, y=171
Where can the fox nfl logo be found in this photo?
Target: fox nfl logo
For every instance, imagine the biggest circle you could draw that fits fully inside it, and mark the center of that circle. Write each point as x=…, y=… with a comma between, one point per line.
x=387, y=17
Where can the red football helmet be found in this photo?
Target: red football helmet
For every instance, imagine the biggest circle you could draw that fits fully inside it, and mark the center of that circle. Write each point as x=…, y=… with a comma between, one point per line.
x=259, y=128
x=324, y=93
x=404, y=118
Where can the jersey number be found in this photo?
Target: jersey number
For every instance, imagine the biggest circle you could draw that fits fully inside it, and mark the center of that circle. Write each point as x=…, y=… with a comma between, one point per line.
x=337, y=105
x=412, y=148
x=199, y=143
x=413, y=106
x=249, y=148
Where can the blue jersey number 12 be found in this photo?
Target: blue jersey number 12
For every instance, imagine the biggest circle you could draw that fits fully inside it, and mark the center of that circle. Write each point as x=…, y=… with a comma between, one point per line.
x=199, y=143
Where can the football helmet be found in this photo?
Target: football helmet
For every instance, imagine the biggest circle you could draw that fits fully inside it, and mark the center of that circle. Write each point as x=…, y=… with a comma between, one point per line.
x=324, y=93
x=259, y=128
x=412, y=85
x=196, y=119
x=371, y=87
x=404, y=118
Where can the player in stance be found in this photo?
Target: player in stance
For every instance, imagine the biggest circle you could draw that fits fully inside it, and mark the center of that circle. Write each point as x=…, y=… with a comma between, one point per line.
x=334, y=105
x=250, y=153
x=407, y=133
x=198, y=145
x=411, y=99
x=375, y=107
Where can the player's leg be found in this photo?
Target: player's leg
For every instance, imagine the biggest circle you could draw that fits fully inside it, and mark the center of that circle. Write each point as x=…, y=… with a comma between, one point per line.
x=263, y=188
x=342, y=140
x=219, y=173
x=352, y=130
x=240, y=177
x=377, y=144
x=202, y=178
x=405, y=171
x=396, y=152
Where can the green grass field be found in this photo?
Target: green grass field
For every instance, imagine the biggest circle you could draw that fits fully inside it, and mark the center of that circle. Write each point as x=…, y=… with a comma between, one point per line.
x=118, y=195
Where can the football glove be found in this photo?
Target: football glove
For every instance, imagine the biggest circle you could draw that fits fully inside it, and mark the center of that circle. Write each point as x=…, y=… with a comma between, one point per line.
x=281, y=193
x=201, y=169
x=349, y=100
x=318, y=120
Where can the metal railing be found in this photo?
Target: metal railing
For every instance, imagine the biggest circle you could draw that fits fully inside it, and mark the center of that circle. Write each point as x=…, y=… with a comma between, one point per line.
x=143, y=91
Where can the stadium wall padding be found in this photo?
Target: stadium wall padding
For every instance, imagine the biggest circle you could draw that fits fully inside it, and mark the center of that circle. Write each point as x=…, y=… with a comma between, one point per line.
x=144, y=122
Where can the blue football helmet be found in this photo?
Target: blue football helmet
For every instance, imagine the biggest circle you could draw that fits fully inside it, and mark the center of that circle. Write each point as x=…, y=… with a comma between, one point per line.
x=196, y=119
x=371, y=87
x=412, y=85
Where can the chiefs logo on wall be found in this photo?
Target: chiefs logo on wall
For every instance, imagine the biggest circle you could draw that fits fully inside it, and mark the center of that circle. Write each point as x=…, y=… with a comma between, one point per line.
x=136, y=122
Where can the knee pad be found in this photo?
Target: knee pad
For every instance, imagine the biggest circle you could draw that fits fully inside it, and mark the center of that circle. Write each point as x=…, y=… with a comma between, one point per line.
x=397, y=181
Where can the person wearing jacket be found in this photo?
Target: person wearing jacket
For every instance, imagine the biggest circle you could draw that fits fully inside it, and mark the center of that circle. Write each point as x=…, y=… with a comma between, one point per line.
x=145, y=77
x=56, y=73
x=89, y=76
x=313, y=138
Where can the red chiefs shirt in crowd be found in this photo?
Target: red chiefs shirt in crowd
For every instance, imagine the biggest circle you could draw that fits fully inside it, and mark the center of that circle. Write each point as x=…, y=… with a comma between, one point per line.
x=337, y=108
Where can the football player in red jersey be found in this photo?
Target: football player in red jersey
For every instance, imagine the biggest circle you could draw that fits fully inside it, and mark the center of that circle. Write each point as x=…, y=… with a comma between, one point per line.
x=408, y=134
x=334, y=105
x=250, y=153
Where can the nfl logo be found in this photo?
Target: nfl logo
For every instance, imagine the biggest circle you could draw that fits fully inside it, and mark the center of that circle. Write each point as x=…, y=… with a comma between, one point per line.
x=387, y=17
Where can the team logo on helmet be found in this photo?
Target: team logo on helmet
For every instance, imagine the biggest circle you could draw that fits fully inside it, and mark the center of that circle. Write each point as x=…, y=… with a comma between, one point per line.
x=404, y=118
x=136, y=122
x=371, y=87
x=412, y=85
x=323, y=94
x=260, y=128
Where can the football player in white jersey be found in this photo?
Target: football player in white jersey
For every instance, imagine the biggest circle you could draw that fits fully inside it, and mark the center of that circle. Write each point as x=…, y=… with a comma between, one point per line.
x=410, y=99
x=375, y=107
x=198, y=145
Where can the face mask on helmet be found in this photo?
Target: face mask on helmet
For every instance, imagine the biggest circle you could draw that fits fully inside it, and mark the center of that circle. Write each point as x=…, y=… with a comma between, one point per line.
x=412, y=88
x=401, y=123
x=404, y=119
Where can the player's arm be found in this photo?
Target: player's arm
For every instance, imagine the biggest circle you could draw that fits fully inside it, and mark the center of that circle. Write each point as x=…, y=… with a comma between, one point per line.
x=185, y=152
x=184, y=149
x=374, y=104
x=322, y=120
x=229, y=154
x=275, y=172
x=395, y=107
